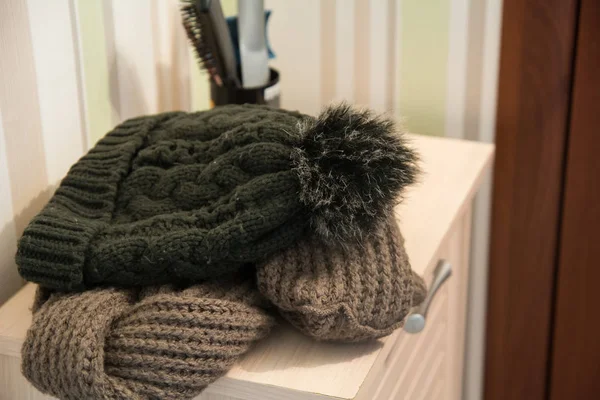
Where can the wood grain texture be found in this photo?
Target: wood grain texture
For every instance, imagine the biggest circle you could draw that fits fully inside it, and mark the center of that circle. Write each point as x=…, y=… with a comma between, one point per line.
x=459, y=252
x=291, y=366
x=15, y=319
x=532, y=120
x=212, y=396
x=407, y=355
x=13, y=385
x=576, y=348
x=415, y=364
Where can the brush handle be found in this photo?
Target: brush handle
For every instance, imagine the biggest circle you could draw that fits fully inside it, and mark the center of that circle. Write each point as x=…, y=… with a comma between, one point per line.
x=253, y=47
x=224, y=44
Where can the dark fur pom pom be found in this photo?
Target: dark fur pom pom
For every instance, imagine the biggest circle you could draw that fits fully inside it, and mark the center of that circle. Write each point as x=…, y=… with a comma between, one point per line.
x=352, y=167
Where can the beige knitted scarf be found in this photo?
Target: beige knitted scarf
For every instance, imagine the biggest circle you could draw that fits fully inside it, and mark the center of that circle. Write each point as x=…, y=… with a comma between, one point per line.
x=153, y=343
x=164, y=343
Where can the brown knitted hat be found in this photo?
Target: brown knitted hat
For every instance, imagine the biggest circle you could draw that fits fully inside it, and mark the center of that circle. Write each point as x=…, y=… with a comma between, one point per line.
x=339, y=293
x=157, y=343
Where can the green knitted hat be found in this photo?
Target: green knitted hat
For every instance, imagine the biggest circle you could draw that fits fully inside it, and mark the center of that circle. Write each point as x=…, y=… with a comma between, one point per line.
x=344, y=293
x=185, y=196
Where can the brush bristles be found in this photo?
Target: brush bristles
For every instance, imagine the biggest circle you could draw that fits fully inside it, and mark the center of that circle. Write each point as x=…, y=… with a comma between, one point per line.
x=352, y=167
x=193, y=29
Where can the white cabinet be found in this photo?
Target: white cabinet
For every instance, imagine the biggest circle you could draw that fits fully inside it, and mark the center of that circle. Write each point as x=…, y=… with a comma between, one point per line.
x=435, y=219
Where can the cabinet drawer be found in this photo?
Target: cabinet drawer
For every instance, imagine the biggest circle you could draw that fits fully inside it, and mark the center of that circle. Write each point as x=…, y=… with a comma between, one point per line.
x=428, y=365
x=414, y=363
x=435, y=221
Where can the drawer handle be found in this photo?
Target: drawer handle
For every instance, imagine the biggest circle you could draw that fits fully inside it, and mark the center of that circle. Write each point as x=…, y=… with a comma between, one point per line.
x=415, y=322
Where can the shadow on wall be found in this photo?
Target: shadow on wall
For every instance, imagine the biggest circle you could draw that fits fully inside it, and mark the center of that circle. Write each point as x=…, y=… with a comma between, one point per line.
x=10, y=281
x=127, y=95
x=173, y=75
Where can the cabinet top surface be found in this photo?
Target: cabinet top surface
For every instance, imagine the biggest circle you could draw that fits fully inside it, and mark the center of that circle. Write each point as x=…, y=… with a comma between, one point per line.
x=287, y=362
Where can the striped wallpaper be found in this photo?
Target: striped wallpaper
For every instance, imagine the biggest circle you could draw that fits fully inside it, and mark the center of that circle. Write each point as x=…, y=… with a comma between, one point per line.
x=72, y=69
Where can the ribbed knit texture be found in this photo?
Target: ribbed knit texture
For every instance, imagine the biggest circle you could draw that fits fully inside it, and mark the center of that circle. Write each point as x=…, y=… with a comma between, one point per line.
x=343, y=293
x=181, y=197
x=157, y=343
x=167, y=198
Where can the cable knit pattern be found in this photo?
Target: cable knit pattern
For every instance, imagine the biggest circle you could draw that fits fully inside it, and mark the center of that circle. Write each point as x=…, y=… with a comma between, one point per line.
x=153, y=343
x=344, y=293
x=178, y=197
x=167, y=198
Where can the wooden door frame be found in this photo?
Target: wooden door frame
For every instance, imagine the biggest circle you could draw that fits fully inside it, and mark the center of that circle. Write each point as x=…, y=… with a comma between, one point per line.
x=575, y=347
x=534, y=97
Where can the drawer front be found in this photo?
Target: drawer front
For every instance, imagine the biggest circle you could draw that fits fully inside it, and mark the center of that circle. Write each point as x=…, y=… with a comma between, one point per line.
x=416, y=362
x=429, y=365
